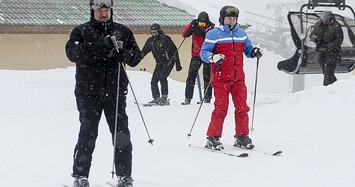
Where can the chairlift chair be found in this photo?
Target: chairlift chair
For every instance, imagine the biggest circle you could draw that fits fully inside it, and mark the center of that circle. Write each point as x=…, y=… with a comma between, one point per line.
x=301, y=23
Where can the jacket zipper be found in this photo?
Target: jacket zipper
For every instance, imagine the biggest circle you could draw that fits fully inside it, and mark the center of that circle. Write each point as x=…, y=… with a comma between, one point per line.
x=234, y=57
x=104, y=68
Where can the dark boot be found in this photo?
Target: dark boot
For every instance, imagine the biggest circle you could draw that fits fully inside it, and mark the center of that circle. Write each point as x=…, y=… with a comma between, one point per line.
x=81, y=182
x=186, y=102
x=243, y=142
x=214, y=143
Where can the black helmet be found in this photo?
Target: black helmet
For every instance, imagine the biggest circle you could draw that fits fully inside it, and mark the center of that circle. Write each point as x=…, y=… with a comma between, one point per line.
x=203, y=17
x=326, y=16
x=97, y=4
x=228, y=11
x=155, y=26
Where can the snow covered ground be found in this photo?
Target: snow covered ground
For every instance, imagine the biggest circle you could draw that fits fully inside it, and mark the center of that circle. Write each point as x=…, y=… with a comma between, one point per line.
x=314, y=129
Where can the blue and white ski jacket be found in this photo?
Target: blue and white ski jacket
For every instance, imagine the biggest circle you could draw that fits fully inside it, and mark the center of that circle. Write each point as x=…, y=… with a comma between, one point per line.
x=232, y=44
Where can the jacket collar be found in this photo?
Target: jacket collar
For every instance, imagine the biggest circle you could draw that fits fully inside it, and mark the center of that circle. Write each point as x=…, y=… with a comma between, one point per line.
x=225, y=28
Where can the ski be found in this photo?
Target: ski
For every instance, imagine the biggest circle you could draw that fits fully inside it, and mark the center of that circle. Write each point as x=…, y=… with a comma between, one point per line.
x=186, y=103
x=241, y=155
x=276, y=153
x=147, y=104
x=110, y=184
x=199, y=102
x=151, y=104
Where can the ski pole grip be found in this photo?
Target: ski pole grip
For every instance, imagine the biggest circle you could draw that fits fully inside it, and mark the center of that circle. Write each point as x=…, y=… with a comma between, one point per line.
x=113, y=38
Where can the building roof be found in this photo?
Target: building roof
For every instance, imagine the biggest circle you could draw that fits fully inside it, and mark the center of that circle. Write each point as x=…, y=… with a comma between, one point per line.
x=58, y=16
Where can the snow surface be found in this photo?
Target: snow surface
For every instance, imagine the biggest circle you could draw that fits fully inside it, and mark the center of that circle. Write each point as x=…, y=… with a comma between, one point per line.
x=314, y=129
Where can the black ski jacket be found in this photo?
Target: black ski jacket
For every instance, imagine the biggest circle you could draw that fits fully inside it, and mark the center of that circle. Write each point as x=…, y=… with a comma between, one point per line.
x=97, y=64
x=329, y=37
x=163, y=49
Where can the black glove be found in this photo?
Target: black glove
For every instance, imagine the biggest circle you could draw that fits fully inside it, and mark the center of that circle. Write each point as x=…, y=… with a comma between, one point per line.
x=127, y=55
x=314, y=38
x=112, y=42
x=194, y=24
x=178, y=67
x=209, y=27
x=322, y=48
x=256, y=52
x=108, y=42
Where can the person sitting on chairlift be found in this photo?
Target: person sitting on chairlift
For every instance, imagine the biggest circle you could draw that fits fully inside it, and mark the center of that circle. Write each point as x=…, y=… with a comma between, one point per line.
x=328, y=36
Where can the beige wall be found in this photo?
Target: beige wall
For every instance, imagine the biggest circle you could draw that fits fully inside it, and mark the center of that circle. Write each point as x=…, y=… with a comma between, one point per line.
x=46, y=51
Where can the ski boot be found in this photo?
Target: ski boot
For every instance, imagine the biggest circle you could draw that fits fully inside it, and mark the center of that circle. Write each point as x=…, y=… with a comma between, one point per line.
x=214, y=143
x=243, y=142
x=186, y=102
x=81, y=182
x=154, y=101
x=207, y=100
x=163, y=100
x=125, y=182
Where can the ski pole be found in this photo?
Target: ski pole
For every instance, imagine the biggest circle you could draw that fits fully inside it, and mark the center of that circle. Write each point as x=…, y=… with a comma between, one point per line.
x=256, y=81
x=113, y=38
x=183, y=40
x=199, y=86
x=172, y=58
x=139, y=109
x=199, y=109
x=179, y=47
x=116, y=116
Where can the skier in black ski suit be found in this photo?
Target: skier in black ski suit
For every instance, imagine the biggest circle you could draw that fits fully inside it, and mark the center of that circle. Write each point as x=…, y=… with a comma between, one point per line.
x=90, y=47
x=328, y=36
x=166, y=56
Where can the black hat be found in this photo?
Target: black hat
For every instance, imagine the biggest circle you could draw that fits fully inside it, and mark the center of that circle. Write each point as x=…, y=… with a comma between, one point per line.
x=227, y=11
x=155, y=26
x=203, y=17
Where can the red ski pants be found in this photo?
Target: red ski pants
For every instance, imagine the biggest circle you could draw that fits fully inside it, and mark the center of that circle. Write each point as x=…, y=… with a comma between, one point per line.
x=221, y=93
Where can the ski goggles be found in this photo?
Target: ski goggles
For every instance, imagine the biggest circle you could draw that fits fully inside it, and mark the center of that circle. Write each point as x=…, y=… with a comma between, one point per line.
x=202, y=24
x=232, y=12
x=97, y=4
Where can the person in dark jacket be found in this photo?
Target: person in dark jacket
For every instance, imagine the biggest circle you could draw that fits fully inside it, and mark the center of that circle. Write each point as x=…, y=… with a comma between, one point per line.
x=101, y=82
x=166, y=56
x=328, y=36
x=198, y=29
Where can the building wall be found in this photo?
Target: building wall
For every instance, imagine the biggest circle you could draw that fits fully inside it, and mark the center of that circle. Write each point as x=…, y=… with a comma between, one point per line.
x=46, y=51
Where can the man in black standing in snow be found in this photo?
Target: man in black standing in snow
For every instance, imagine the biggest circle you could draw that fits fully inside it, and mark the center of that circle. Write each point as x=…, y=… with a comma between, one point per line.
x=99, y=76
x=166, y=56
x=328, y=36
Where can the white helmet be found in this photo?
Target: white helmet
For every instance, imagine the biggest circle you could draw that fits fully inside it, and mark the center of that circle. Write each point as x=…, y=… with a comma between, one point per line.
x=97, y=4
